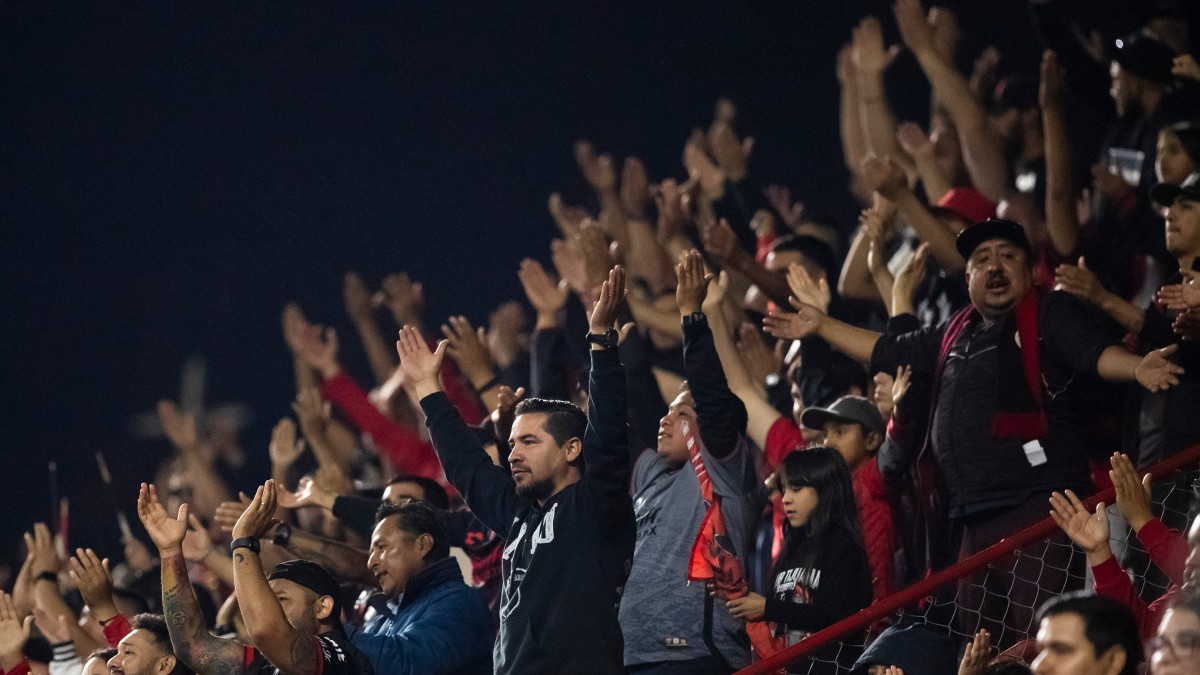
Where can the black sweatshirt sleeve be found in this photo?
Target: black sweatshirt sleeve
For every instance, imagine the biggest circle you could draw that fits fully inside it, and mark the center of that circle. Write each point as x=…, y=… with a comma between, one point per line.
x=550, y=367
x=646, y=404
x=358, y=513
x=488, y=489
x=719, y=412
x=606, y=440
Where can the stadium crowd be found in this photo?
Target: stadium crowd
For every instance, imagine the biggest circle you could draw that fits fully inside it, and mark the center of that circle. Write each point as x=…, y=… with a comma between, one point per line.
x=729, y=427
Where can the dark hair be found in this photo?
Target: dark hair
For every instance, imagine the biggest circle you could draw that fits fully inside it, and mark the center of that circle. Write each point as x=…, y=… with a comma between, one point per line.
x=825, y=470
x=435, y=494
x=1188, y=134
x=156, y=625
x=1188, y=599
x=1107, y=624
x=564, y=420
x=816, y=251
x=38, y=649
x=419, y=518
x=1008, y=668
x=105, y=653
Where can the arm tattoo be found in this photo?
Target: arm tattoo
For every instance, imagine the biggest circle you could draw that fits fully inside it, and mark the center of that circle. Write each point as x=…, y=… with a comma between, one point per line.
x=240, y=557
x=194, y=646
x=304, y=655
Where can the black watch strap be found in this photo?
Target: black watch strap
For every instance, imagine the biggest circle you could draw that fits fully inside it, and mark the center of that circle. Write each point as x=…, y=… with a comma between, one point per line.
x=283, y=533
x=608, y=339
x=244, y=542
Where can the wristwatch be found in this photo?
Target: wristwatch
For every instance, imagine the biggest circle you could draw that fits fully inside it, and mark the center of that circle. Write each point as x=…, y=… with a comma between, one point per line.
x=608, y=339
x=245, y=542
x=283, y=532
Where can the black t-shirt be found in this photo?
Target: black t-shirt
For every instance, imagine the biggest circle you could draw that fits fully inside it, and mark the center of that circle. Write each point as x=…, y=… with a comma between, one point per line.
x=335, y=656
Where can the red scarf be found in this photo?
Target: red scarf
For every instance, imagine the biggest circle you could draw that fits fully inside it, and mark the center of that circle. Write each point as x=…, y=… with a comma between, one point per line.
x=713, y=559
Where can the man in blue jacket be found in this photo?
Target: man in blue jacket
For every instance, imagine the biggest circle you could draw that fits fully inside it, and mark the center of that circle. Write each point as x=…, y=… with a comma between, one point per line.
x=432, y=621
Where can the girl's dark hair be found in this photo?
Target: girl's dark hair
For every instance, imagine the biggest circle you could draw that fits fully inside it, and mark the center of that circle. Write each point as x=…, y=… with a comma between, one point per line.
x=825, y=471
x=1188, y=134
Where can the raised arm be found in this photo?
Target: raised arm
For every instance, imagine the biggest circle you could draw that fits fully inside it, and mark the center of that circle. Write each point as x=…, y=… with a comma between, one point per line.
x=358, y=307
x=982, y=151
x=857, y=343
x=606, y=440
x=886, y=177
x=192, y=643
x=721, y=243
x=720, y=413
x=1062, y=218
x=870, y=59
x=468, y=348
x=289, y=649
x=488, y=489
x=1154, y=371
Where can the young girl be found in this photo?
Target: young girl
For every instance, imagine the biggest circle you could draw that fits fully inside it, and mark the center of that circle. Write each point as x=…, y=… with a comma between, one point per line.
x=823, y=575
x=1178, y=153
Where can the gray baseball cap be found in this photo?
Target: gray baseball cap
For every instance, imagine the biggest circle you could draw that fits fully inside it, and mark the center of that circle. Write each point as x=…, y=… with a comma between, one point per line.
x=858, y=409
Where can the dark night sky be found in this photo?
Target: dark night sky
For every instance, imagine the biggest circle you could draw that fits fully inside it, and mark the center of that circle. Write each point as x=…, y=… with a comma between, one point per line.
x=172, y=173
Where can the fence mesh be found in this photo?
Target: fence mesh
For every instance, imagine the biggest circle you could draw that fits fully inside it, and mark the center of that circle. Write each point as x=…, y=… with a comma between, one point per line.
x=1000, y=590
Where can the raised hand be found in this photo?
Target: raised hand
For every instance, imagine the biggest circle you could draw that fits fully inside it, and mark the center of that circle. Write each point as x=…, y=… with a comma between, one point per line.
x=420, y=365
x=294, y=325
x=1079, y=281
x=1088, y=531
x=179, y=428
x=946, y=34
x=901, y=383
x=608, y=306
x=259, y=515
x=915, y=28
x=1187, y=325
x=90, y=573
x=977, y=654
x=1184, y=295
x=720, y=242
x=570, y=265
x=1051, y=87
x=55, y=629
x=983, y=74
x=546, y=296
x=794, y=326
x=356, y=298
x=731, y=154
x=314, y=414
x=40, y=544
x=284, y=448
x=404, y=298
x=717, y=290
x=1133, y=494
x=780, y=198
x=914, y=140
x=807, y=290
x=635, y=187
x=318, y=348
x=566, y=217
x=506, y=325
x=1156, y=373
x=308, y=493
x=166, y=532
x=883, y=393
x=692, y=283
x=13, y=632
x=597, y=170
x=672, y=216
x=228, y=512
x=593, y=248
x=867, y=52
x=197, y=543
x=905, y=287
x=467, y=347
x=884, y=175
x=759, y=359
x=703, y=172
x=505, y=413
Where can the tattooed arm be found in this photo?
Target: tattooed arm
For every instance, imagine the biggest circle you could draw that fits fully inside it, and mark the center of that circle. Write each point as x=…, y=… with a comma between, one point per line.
x=291, y=650
x=193, y=645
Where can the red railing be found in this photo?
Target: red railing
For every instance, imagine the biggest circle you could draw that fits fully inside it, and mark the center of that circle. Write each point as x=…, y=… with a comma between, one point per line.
x=924, y=588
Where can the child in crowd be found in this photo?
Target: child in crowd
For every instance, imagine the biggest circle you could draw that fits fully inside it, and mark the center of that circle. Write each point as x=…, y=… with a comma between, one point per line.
x=822, y=575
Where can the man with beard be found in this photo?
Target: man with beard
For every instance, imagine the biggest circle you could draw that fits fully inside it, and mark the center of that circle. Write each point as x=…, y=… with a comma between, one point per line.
x=565, y=510
x=1008, y=373
x=146, y=650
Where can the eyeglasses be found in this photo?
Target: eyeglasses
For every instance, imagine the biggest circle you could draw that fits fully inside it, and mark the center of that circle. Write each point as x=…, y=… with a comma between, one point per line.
x=1182, y=644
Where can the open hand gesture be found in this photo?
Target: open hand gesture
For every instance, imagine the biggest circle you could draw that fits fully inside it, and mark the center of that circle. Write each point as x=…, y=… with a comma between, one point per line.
x=356, y=298
x=259, y=516
x=179, y=428
x=807, y=290
x=794, y=326
x=228, y=512
x=597, y=170
x=867, y=52
x=95, y=583
x=1088, y=531
x=546, y=296
x=1079, y=281
x=404, y=298
x=1184, y=295
x=608, y=306
x=977, y=654
x=420, y=365
x=467, y=346
x=308, y=493
x=13, y=632
x=166, y=532
x=41, y=551
x=285, y=448
x=1156, y=373
x=692, y=283
x=1133, y=494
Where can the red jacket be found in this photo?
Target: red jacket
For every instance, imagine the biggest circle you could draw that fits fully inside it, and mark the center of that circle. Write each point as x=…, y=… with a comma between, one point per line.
x=1168, y=551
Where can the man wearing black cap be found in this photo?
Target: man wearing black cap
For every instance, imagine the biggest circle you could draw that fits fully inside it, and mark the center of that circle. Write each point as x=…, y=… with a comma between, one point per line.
x=1008, y=371
x=293, y=614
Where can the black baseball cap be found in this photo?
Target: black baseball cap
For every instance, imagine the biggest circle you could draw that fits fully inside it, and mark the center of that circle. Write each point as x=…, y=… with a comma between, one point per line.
x=858, y=409
x=992, y=228
x=1145, y=57
x=1165, y=194
x=311, y=576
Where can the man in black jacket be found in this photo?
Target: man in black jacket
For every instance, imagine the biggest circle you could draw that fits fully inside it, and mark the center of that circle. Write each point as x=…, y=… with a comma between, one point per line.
x=565, y=509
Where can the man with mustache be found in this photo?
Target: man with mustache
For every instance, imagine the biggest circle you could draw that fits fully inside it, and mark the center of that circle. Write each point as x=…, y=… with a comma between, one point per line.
x=1008, y=375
